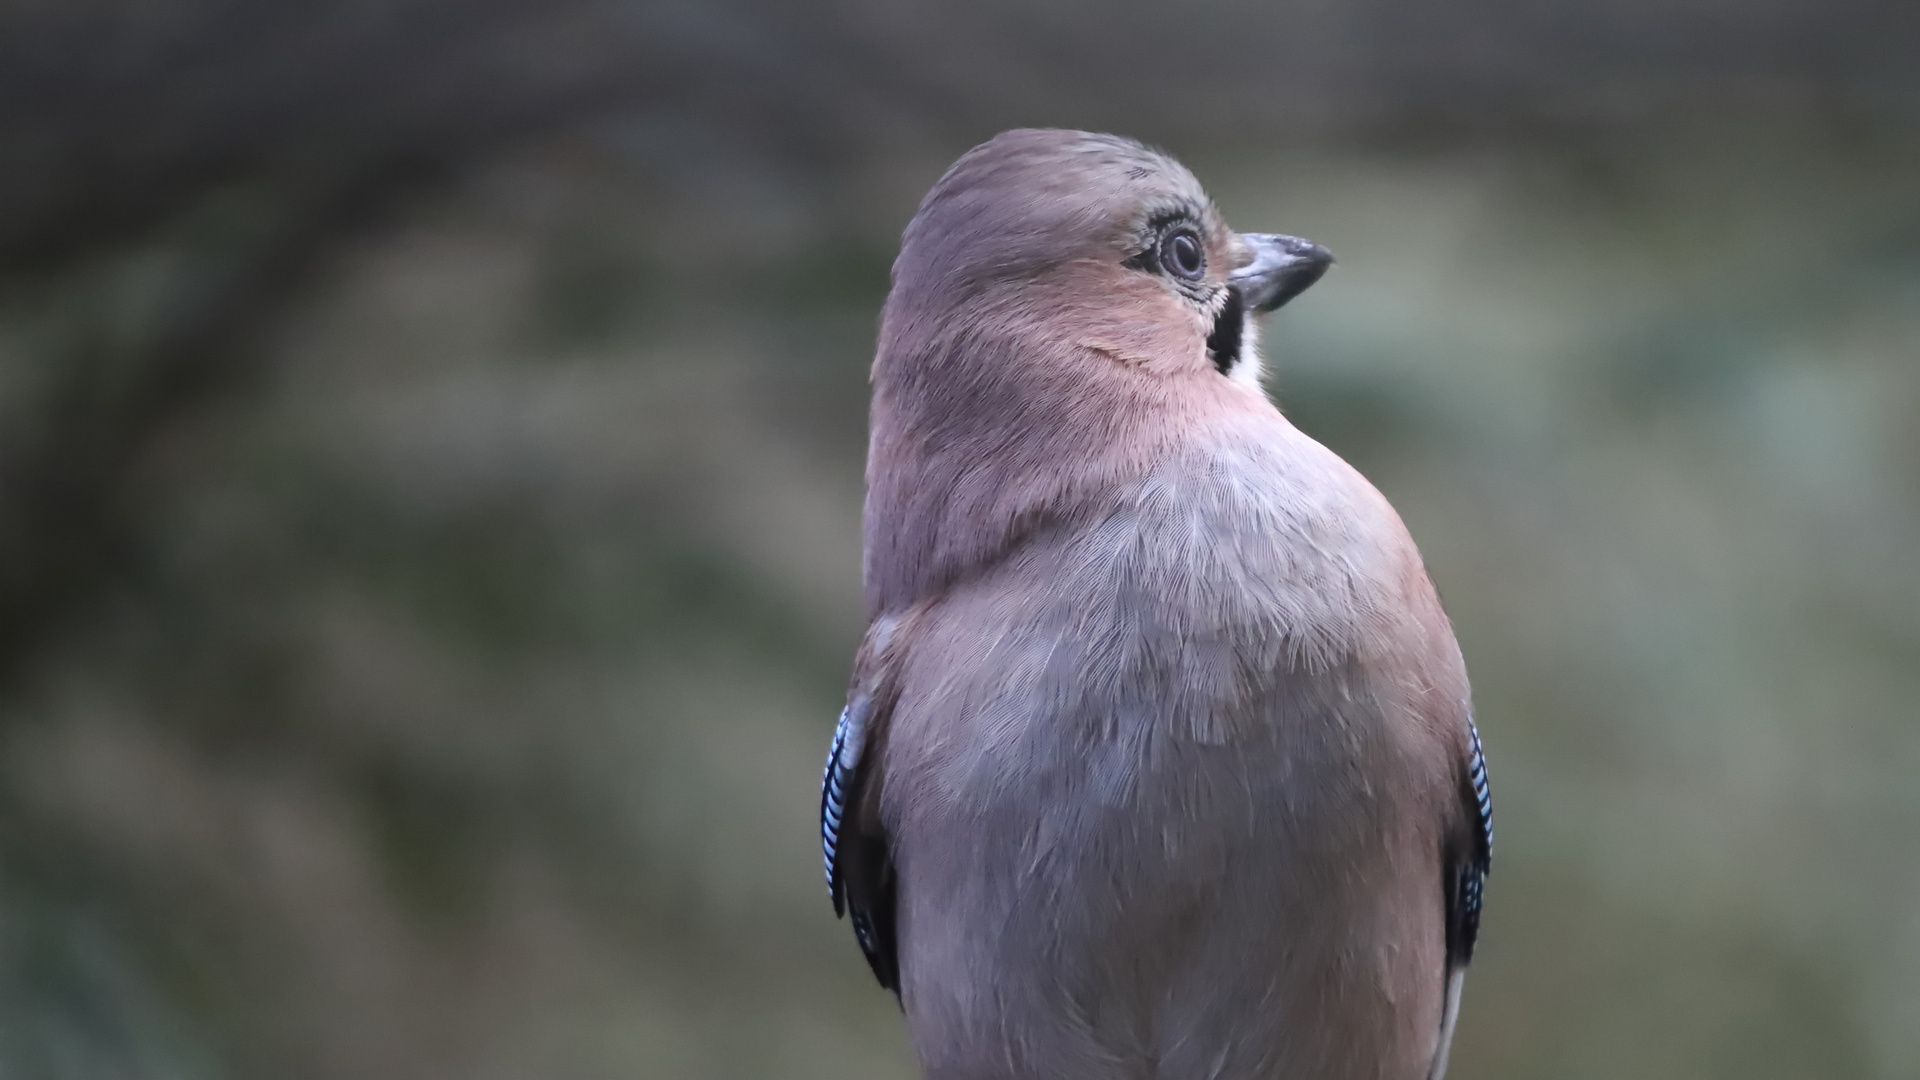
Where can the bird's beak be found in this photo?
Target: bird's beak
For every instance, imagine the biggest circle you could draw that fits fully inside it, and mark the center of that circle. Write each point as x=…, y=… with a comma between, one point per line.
x=1282, y=268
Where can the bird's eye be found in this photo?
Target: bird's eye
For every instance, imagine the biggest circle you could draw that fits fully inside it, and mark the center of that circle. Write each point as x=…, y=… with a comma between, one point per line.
x=1181, y=256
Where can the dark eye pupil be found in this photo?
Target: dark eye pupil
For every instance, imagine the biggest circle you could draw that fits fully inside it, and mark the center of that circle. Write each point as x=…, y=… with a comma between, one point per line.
x=1181, y=255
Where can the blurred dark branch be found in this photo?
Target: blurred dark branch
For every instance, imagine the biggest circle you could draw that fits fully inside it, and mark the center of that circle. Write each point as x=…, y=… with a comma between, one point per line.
x=71, y=484
x=118, y=119
x=124, y=123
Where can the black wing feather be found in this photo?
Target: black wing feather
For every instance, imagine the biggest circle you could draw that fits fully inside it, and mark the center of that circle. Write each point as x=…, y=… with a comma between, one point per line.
x=859, y=869
x=1467, y=870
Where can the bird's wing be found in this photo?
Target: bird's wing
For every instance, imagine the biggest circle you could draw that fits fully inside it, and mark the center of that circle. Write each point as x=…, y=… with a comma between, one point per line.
x=859, y=867
x=1466, y=867
x=859, y=864
x=1470, y=869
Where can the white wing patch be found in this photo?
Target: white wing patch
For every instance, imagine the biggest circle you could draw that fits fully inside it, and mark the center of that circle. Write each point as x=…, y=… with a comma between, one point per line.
x=1449, y=1015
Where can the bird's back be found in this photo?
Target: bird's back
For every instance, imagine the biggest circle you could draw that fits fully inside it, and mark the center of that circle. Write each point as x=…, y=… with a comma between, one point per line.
x=1180, y=814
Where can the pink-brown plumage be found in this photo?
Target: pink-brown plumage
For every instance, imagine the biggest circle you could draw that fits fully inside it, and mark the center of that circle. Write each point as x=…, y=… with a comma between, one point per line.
x=1162, y=731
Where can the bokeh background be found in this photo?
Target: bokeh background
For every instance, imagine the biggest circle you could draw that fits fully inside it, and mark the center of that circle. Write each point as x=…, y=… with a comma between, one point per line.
x=431, y=437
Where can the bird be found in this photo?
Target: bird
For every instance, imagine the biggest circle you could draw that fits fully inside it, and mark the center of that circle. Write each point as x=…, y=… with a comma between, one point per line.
x=1158, y=759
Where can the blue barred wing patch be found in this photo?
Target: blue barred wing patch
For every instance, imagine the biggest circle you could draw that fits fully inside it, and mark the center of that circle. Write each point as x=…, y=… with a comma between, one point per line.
x=1471, y=882
x=843, y=758
x=859, y=870
x=1482, y=793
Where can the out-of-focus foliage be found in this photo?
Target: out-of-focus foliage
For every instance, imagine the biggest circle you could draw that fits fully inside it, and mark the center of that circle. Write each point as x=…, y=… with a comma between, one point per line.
x=430, y=463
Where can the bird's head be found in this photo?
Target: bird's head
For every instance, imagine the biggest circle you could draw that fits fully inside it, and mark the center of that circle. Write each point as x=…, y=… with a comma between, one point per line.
x=1063, y=304
x=1066, y=238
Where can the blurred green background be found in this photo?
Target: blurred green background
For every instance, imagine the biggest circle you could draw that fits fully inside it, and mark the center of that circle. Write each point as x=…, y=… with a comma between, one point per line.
x=431, y=438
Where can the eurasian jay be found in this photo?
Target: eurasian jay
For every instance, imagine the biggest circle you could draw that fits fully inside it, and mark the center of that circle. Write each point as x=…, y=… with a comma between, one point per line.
x=1158, y=759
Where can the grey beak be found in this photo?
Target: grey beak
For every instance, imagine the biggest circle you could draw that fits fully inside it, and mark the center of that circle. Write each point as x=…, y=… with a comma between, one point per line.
x=1282, y=268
